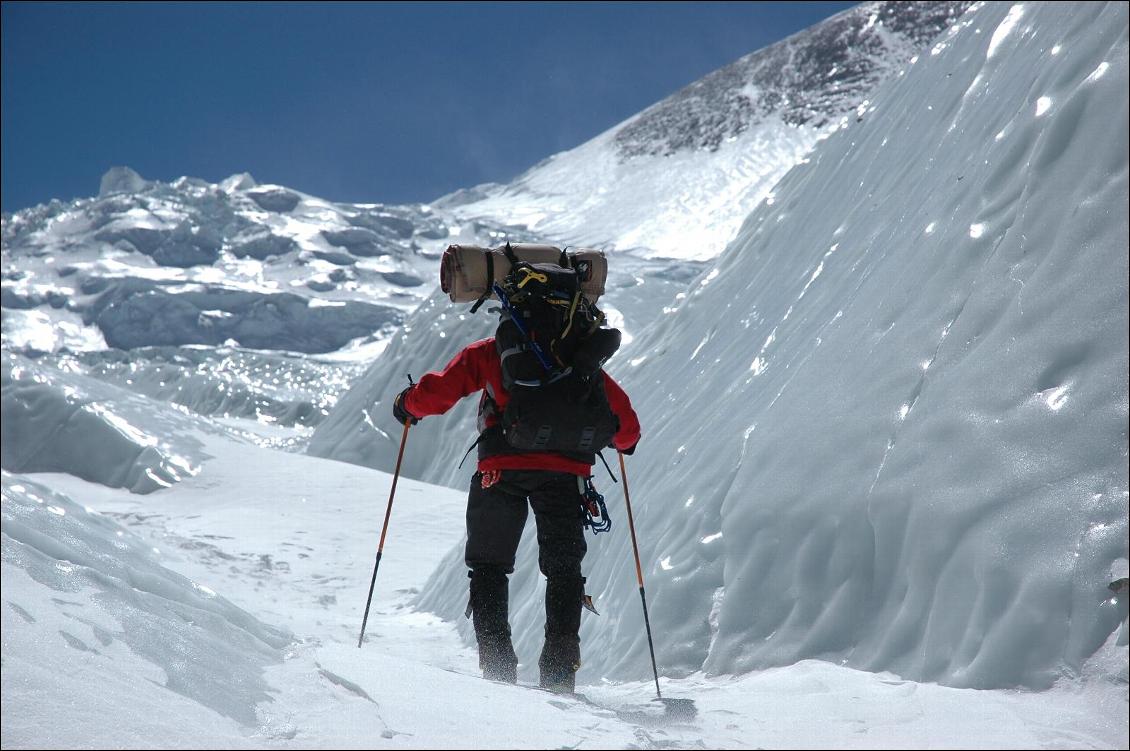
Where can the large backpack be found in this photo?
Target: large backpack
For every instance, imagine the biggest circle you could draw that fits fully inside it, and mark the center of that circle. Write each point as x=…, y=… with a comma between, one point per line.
x=552, y=345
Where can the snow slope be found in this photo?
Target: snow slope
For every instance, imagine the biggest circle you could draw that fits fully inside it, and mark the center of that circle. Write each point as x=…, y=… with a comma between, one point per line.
x=888, y=428
x=676, y=180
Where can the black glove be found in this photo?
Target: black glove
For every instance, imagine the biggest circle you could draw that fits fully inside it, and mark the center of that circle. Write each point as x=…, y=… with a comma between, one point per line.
x=631, y=449
x=402, y=415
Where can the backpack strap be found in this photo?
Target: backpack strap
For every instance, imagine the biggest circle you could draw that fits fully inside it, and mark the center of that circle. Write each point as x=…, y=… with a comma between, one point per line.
x=529, y=273
x=489, y=285
x=605, y=462
x=569, y=317
x=476, y=443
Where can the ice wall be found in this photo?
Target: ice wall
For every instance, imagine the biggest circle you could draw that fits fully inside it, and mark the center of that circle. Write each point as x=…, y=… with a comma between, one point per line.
x=889, y=427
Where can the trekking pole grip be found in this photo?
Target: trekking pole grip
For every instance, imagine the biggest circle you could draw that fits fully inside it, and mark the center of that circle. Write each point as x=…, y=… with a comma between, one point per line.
x=384, y=530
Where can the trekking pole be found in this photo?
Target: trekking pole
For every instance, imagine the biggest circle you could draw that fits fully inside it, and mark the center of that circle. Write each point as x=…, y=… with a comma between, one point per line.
x=639, y=574
x=680, y=709
x=384, y=530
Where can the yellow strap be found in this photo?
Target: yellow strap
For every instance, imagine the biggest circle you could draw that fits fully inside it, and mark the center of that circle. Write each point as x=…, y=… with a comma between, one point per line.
x=531, y=274
x=572, y=310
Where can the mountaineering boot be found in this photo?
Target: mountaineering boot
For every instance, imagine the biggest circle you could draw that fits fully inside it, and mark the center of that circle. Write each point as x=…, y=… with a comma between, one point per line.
x=490, y=595
x=561, y=655
x=560, y=659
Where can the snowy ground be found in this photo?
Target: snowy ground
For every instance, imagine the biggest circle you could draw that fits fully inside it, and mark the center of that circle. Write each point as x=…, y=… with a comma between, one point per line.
x=282, y=559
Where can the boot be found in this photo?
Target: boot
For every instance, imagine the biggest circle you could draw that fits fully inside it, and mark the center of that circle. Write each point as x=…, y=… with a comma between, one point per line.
x=497, y=659
x=490, y=606
x=559, y=662
x=561, y=655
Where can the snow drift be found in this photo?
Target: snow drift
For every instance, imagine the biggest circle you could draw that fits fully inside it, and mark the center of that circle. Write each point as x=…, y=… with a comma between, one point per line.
x=132, y=626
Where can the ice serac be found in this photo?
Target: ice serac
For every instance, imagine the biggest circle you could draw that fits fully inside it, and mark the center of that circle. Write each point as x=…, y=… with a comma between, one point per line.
x=121, y=180
x=56, y=421
x=142, y=314
x=889, y=427
x=150, y=264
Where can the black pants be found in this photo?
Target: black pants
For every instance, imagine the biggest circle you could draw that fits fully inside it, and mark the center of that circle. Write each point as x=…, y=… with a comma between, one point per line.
x=495, y=519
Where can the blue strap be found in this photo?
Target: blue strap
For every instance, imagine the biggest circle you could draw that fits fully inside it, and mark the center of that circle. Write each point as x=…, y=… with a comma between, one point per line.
x=516, y=317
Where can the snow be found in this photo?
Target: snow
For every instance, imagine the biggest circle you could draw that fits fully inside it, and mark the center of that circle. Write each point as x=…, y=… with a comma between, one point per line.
x=954, y=523
x=662, y=192
x=117, y=620
x=905, y=432
x=683, y=206
x=145, y=263
x=676, y=180
x=886, y=515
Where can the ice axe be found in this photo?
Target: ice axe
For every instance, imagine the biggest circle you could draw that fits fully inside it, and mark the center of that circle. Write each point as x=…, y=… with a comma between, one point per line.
x=678, y=709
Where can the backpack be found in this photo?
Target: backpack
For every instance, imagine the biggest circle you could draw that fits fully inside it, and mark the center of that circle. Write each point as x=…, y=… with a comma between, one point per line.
x=552, y=346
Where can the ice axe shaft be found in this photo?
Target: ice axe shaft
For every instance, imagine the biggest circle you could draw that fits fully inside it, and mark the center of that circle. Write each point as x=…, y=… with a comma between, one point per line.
x=384, y=531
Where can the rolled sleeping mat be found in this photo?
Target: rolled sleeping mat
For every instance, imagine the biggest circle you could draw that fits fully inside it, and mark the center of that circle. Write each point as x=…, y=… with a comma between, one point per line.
x=467, y=272
x=592, y=266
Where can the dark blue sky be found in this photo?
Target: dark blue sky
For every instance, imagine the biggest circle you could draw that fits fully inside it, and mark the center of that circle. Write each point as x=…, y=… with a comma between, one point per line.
x=359, y=102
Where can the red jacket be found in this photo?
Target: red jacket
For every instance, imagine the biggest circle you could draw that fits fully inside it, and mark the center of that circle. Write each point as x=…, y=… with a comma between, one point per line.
x=478, y=368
